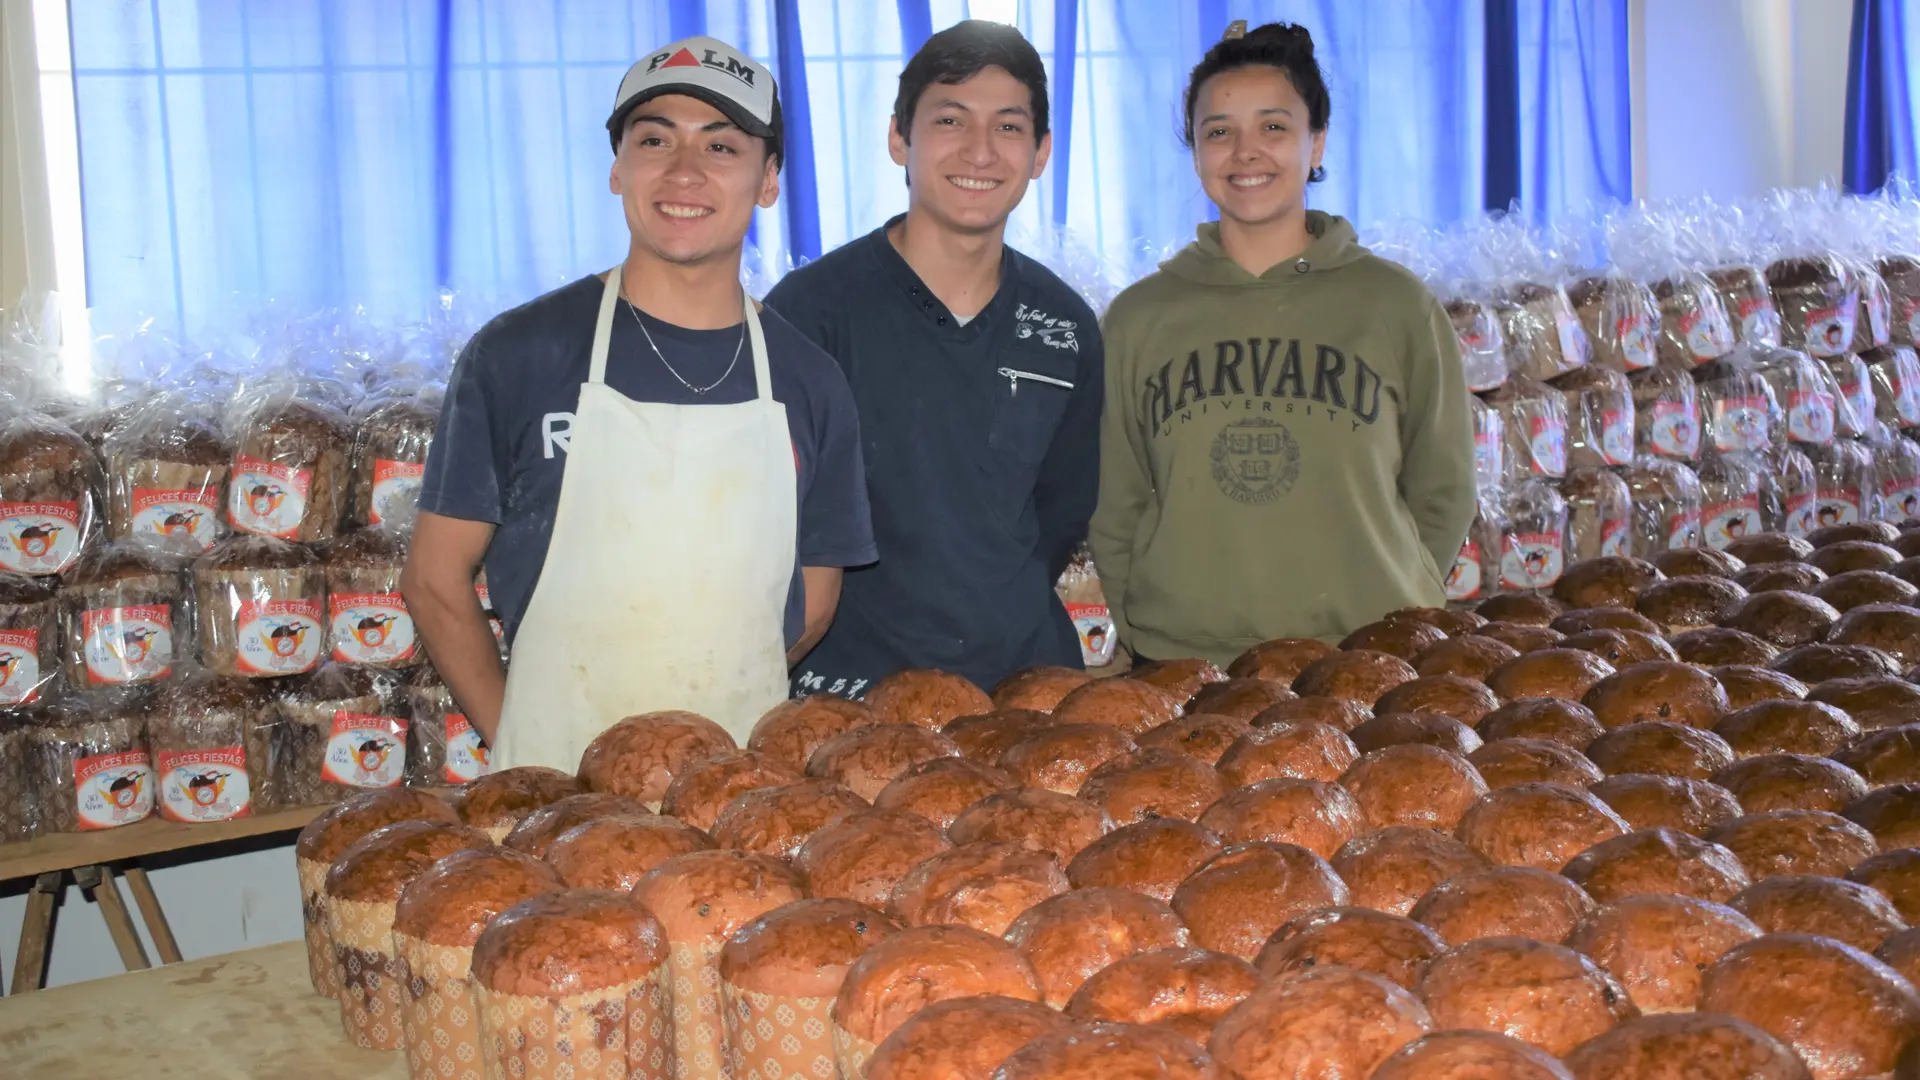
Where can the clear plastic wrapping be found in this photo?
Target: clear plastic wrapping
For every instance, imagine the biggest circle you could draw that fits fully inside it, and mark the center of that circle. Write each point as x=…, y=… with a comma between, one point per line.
x=1483, y=348
x=1737, y=406
x=1666, y=414
x=1817, y=304
x=290, y=474
x=19, y=802
x=1901, y=273
x=49, y=494
x=1792, y=493
x=197, y=731
x=1599, y=514
x=1534, y=549
x=261, y=605
x=1475, y=573
x=367, y=619
x=1600, y=419
x=30, y=667
x=91, y=768
x=1079, y=591
x=1846, y=480
x=1694, y=327
x=390, y=454
x=166, y=476
x=1802, y=388
x=1733, y=496
x=1896, y=462
x=124, y=616
x=1855, y=408
x=331, y=735
x=1533, y=421
x=1544, y=337
x=1489, y=444
x=1873, y=328
x=1749, y=306
x=443, y=749
x=1620, y=317
x=1894, y=373
x=1666, y=505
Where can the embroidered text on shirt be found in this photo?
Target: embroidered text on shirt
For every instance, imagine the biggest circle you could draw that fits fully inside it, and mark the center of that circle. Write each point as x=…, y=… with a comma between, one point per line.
x=1058, y=333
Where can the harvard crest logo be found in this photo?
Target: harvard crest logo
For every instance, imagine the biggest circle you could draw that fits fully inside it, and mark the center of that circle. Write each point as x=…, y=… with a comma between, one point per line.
x=1255, y=460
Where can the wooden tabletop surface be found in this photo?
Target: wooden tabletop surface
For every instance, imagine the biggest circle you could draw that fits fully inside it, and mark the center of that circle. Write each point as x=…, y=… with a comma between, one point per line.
x=64, y=851
x=242, y=1016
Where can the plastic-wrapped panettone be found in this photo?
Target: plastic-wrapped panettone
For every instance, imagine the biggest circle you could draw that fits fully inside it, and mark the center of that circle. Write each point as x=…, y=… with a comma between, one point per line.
x=1896, y=463
x=443, y=748
x=1794, y=491
x=1475, y=572
x=49, y=479
x=30, y=652
x=1732, y=487
x=1666, y=413
x=390, y=457
x=1489, y=443
x=289, y=476
x=90, y=762
x=1545, y=994
x=912, y=969
x=1738, y=411
x=497, y=802
x=260, y=605
x=1843, y=1012
x=124, y=616
x=1600, y=420
x=779, y=974
x=568, y=979
x=1533, y=421
x=1895, y=376
x=197, y=732
x=1804, y=390
x=1533, y=552
x=1483, y=355
x=328, y=736
x=1621, y=318
x=1847, y=482
x=639, y=756
x=166, y=478
x=1544, y=337
x=1327, y=1022
x=1817, y=306
x=1749, y=305
x=1694, y=327
x=367, y=619
x=1853, y=413
x=1667, y=504
x=1184, y=990
x=1599, y=514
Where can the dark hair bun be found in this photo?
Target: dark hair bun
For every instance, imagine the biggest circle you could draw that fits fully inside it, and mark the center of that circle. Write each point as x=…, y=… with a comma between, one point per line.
x=1286, y=46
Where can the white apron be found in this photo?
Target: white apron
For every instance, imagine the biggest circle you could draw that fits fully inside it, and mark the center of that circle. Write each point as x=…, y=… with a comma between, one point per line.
x=666, y=578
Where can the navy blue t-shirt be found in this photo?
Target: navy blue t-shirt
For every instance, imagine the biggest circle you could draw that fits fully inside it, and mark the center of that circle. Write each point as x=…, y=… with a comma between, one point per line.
x=501, y=447
x=982, y=455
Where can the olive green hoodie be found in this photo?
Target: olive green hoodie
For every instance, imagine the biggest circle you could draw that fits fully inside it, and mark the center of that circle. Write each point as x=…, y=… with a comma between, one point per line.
x=1282, y=456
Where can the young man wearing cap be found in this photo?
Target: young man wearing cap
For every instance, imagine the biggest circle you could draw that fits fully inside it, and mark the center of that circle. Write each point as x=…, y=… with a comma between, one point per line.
x=662, y=482
x=978, y=375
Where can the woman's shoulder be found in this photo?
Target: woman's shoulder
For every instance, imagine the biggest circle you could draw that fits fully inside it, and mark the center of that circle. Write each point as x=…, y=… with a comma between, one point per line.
x=1140, y=299
x=1393, y=283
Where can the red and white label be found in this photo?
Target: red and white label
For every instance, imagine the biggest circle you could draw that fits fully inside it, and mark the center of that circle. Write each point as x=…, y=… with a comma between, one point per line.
x=1532, y=560
x=266, y=498
x=370, y=628
x=19, y=666
x=1802, y=517
x=1548, y=446
x=127, y=644
x=1573, y=339
x=1836, y=508
x=1729, y=521
x=283, y=637
x=1708, y=334
x=1683, y=530
x=113, y=789
x=1879, y=319
x=40, y=538
x=1613, y=538
x=1740, y=423
x=396, y=490
x=204, y=785
x=1675, y=429
x=1636, y=342
x=1616, y=435
x=366, y=751
x=1759, y=323
x=1830, y=330
x=1095, y=626
x=1486, y=456
x=467, y=757
x=1902, y=498
x=1904, y=375
x=1463, y=581
x=1859, y=397
x=1810, y=417
x=176, y=520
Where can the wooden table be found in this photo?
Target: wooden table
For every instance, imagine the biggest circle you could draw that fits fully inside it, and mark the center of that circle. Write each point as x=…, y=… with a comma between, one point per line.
x=242, y=1016
x=93, y=857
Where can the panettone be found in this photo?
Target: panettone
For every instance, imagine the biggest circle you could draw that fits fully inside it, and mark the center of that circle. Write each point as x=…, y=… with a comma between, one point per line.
x=1152, y=857
x=1566, y=722
x=1102, y=1050
x=1784, y=618
x=1390, y=869
x=1201, y=736
x=1767, y=782
x=940, y=789
x=1314, y=814
x=1127, y=704
x=1037, y=688
x=1186, y=990
x=1506, y=763
x=1621, y=648
x=1610, y=581
x=499, y=801
x=868, y=759
x=1795, y=842
x=963, y=1039
x=1819, y=661
x=1843, y=1012
x=982, y=739
x=1180, y=678
x=1845, y=911
x=616, y=852
x=1281, y=660
x=1888, y=756
x=1657, y=945
x=1413, y=785
x=1505, y=901
x=1781, y=577
x=1059, y=757
x=1544, y=994
x=925, y=698
x=1034, y=817
x=1649, y=801
x=1747, y=685
x=1604, y=618
x=1787, y=727
x=1471, y=656
x=921, y=966
x=1242, y=699
x=1658, y=691
x=1855, y=588
x=639, y=756
x=1525, y=608
x=1404, y=638
x=1470, y=1055
x=703, y=788
x=1450, y=620
x=537, y=830
x=1559, y=673
x=1873, y=703
x=1393, y=947
x=1359, y=675
x=1769, y=547
x=451, y=902
x=1539, y=825
x=1422, y=728
x=1337, y=713
x=1152, y=783
x=1891, y=628
x=1307, y=750
x=1891, y=814
x=778, y=977
x=1661, y=747
x=984, y=885
x=1521, y=638
x=1658, y=861
x=1325, y=1022
x=1896, y=876
x=862, y=856
x=1839, y=558
x=1071, y=936
x=1690, y=603
x=791, y=731
x=1686, y=1046
x=1717, y=646
x=775, y=821
x=1240, y=897
x=1464, y=699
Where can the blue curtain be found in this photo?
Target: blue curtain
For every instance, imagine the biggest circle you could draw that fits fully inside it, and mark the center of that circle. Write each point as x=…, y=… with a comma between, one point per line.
x=306, y=154
x=1881, y=111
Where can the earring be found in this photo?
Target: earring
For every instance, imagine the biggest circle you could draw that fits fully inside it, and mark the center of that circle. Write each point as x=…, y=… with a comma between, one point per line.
x=1316, y=174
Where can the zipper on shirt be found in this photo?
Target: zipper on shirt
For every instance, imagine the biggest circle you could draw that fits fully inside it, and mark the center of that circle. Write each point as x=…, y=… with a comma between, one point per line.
x=1014, y=377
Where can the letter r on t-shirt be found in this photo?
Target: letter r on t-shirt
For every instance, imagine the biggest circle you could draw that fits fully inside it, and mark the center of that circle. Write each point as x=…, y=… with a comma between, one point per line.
x=556, y=428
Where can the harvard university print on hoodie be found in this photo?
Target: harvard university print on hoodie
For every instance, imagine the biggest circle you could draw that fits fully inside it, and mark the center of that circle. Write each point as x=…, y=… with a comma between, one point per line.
x=1282, y=456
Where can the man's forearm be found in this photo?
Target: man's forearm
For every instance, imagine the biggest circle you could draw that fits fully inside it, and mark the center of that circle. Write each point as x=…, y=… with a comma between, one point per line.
x=463, y=651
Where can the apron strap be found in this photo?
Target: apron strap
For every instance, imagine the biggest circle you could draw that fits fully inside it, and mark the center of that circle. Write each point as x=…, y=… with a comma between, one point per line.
x=603, y=327
x=761, y=378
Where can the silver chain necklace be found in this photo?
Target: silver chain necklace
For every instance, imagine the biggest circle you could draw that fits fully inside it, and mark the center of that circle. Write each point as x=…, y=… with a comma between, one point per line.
x=663, y=359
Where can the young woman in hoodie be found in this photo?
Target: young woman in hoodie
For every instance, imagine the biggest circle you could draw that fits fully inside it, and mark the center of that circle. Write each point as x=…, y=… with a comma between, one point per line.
x=1285, y=447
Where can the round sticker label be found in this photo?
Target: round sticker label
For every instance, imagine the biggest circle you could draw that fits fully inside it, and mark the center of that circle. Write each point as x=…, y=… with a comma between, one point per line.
x=1463, y=580
x=1830, y=330
x=1636, y=342
x=1532, y=560
x=467, y=756
x=1091, y=621
x=396, y=490
x=1676, y=429
x=1708, y=334
x=1835, y=510
x=113, y=789
x=1613, y=538
x=266, y=498
x=176, y=520
x=366, y=751
x=1801, y=515
x=1616, y=436
x=1902, y=500
x=41, y=538
x=1727, y=522
x=1810, y=417
x=370, y=628
x=204, y=785
x=1486, y=456
x=19, y=666
x=1684, y=531
x=1549, y=446
x=1740, y=423
x=279, y=638
x=1759, y=323
x=127, y=644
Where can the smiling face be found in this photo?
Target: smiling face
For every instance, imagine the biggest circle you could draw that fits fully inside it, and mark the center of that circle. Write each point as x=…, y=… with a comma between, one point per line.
x=689, y=179
x=1253, y=146
x=971, y=151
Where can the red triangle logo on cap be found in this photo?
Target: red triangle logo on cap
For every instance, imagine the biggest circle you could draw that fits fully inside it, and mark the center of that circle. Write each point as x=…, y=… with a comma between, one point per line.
x=683, y=58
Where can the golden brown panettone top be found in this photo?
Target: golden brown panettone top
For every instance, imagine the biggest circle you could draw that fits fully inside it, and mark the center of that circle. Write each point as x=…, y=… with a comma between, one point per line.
x=1306, y=750
x=1337, y=713
x=1845, y=1013
x=702, y=897
x=1069, y=937
x=1888, y=756
x=1548, y=673
x=1878, y=532
x=776, y=821
x=1404, y=638
x=1621, y=648
x=705, y=787
x=1566, y=722
x=1697, y=562
x=1657, y=945
x=1505, y=763
x=922, y=965
x=1896, y=876
x=962, y=1039
x=1152, y=857
x=1716, y=645
x=1891, y=814
x=1660, y=747
x=1787, y=727
x=940, y=789
x=1843, y=910
x=1282, y=659
x=1470, y=1055
x=1239, y=898
x=1657, y=690
x=1470, y=656
x=1102, y=1050
x=1873, y=703
x=1686, y=1046
x=639, y=756
x=1314, y=814
x=1689, y=603
x=868, y=759
x=1466, y=700
x=802, y=948
x=1648, y=801
x=1128, y=704
x=1152, y=783
x=1795, y=842
x=1658, y=861
x=1186, y=990
x=1608, y=581
x=1519, y=637
x=1544, y=994
x=865, y=854
x=1503, y=901
x=1856, y=588
x=1180, y=678
x=1325, y=1022
x=1853, y=555
x=1035, y=817
x=1413, y=785
x=1390, y=869
x=1605, y=618
x=1359, y=675
x=374, y=868
x=982, y=885
x=1242, y=699
x=616, y=852
x=1780, y=577
x=330, y=834
x=791, y=731
x=1037, y=688
x=1451, y=620
x=450, y=902
x=1784, y=618
x=983, y=738
x=1539, y=825
x=575, y=941
x=1393, y=947
x=1420, y=728
x=1901, y=952
x=1892, y=628
x=1790, y=782
x=1748, y=685
x=1820, y=661
x=538, y=830
x=509, y=795
x=1527, y=609
x=925, y=698
x=1059, y=757
x=1769, y=547
x=1201, y=736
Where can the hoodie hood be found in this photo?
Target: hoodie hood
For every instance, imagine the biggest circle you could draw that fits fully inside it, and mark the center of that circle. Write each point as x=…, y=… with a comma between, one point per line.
x=1204, y=263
